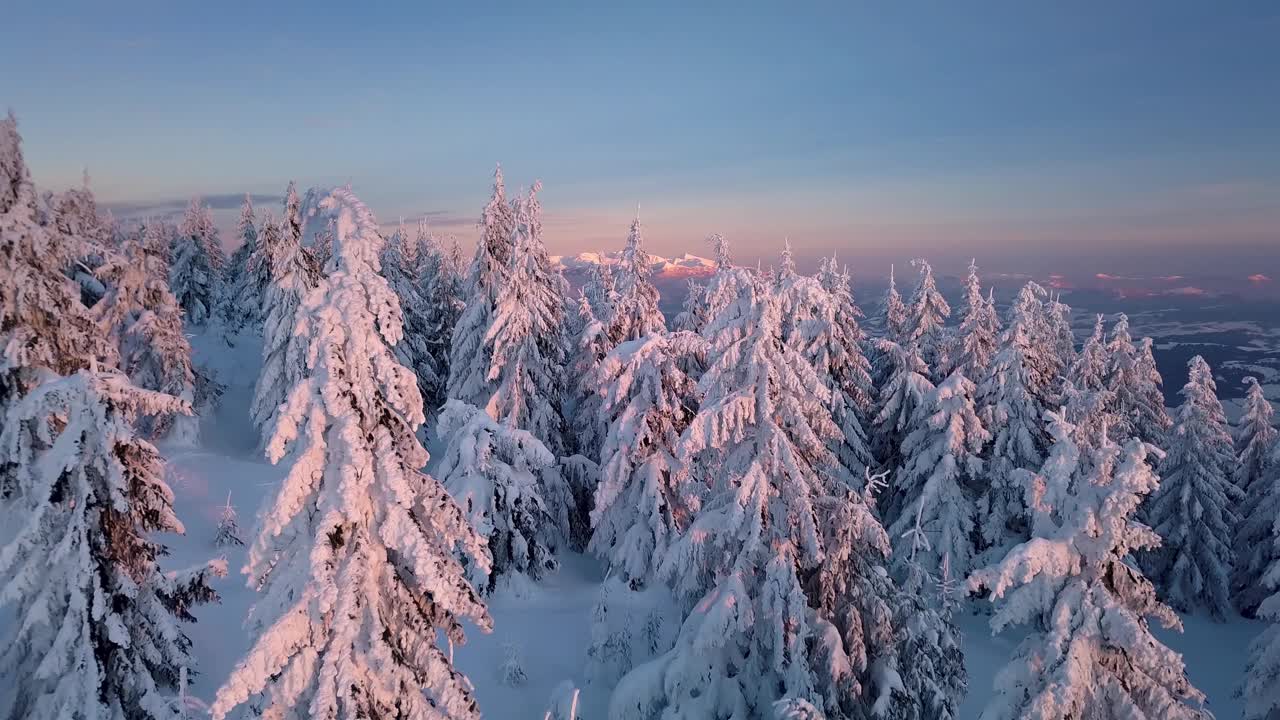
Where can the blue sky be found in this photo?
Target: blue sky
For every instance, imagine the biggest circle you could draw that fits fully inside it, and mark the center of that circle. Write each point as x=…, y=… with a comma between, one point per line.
x=1028, y=132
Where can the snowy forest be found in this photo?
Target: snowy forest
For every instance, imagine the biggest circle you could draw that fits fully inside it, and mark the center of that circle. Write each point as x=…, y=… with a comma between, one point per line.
x=774, y=505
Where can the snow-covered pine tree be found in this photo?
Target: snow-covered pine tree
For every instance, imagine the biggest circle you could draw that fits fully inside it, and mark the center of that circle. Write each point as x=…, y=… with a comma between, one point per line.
x=1256, y=474
x=1090, y=652
x=284, y=363
x=471, y=348
x=693, y=311
x=96, y=626
x=441, y=287
x=1089, y=371
x=1261, y=686
x=195, y=271
x=528, y=355
x=763, y=423
x=1194, y=511
x=978, y=336
x=926, y=320
x=884, y=650
x=856, y=369
x=142, y=320
x=510, y=490
x=1061, y=337
x=356, y=559
x=1135, y=386
x=636, y=312
x=1149, y=414
x=592, y=345
x=810, y=324
x=228, y=532
x=935, y=488
x=1013, y=400
x=242, y=301
x=401, y=267
x=904, y=389
x=893, y=313
x=44, y=327
x=641, y=503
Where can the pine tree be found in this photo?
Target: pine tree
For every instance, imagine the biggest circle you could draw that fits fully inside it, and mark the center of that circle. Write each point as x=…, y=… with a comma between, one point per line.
x=246, y=275
x=228, y=533
x=855, y=370
x=1194, y=511
x=142, y=320
x=441, y=287
x=636, y=312
x=926, y=320
x=400, y=266
x=43, y=324
x=1261, y=686
x=510, y=490
x=1014, y=399
x=96, y=630
x=693, y=311
x=1089, y=371
x=762, y=424
x=1135, y=386
x=977, y=340
x=593, y=344
x=526, y=336
x=284, y=364
x=904, y=390
x=471, y=348
x=894, y=320
x=1060, y=336
x=885, y=652
x=355, y=560
x=811, y=325
x=641, y=504
x=934, y=490
x=1257, y=467
x=1090, y=652
x=195, y=272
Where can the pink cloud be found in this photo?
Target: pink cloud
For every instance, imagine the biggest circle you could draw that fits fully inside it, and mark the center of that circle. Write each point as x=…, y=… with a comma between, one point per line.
x=1259, y=278
x=1188, y=290
x=1170, y=278
x=1108, y=276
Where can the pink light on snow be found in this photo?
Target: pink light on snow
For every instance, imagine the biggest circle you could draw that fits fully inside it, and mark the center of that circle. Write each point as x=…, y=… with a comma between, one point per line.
x=1259, y=278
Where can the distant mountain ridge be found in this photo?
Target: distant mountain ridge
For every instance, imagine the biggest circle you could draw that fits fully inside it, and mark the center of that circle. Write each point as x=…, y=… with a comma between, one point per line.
x=684, y=266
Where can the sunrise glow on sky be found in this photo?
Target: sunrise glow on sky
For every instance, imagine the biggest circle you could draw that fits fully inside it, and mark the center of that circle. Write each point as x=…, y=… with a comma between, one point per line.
x=1039, y=134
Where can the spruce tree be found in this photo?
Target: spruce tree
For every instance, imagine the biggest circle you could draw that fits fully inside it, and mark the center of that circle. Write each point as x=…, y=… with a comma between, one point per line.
x=142, y=320
x=355, y=560
x=1261, y=686
x=1090, y=652
x=1089, y=371
x=241, y=303
x=510, y=490
x=471, y=349
x=1194, y=511
x=893, y=314
x=979, y=333
x=934, y=490
x=44, y=326
x=855, y=369
x=636, y=312
x=400, y=266
x=195, y=272
x=1134, y=384
x=293, y=275
x=96, y=622
x=441, y=286
x=926, y=320
x=738, y=568
x=1256, y=471
x=904, y=390
x=642, y=504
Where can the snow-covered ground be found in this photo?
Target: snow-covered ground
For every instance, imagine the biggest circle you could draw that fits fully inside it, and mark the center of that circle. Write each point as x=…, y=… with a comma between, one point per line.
x=549, y=624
